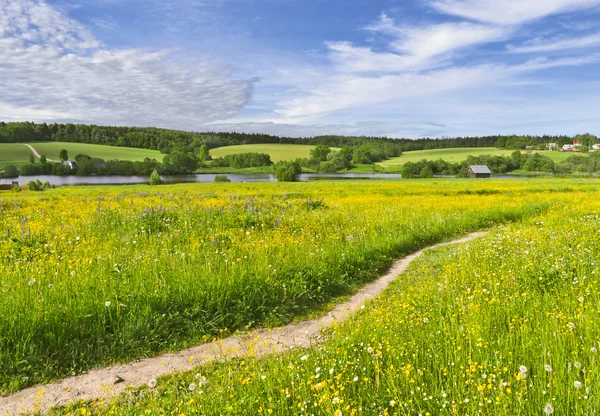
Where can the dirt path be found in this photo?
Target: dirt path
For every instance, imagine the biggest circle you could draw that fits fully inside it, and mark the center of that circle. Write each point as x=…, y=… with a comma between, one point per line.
x=35, y=152
x=109, y=381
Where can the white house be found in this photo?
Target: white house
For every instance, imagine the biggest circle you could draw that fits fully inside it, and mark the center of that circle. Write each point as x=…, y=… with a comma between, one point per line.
x=71, y=164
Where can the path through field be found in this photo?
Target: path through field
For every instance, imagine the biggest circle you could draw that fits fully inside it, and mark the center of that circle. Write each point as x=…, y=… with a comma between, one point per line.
x=35, y=152
x=109, y=381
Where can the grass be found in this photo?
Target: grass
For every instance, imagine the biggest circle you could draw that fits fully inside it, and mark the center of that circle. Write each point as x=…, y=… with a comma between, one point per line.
x=277, y=152
x=16, y=153
x=13, y=154
x=461, y=154
x=449, y=155
x=92, y=276
x=505, y=325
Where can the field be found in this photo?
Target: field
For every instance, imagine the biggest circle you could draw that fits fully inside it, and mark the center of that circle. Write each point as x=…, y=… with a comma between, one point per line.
x=93, y=276
x=277, y=152
x=18, y=154
x=506, y=325
x=460, y=154
x=13, y=154
x=449, y=155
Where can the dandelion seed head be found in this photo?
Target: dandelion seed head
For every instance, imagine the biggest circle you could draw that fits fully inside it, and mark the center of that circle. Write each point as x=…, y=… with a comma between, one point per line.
x=152, y=383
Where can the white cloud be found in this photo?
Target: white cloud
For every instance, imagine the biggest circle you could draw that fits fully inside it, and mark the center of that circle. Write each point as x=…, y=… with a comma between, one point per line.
x=414, y=47
x=52, y=62
x=546, y=45
x=353, y=91
x=509, y=12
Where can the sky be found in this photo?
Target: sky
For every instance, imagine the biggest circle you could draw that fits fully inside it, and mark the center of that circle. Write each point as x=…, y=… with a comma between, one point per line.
x=300, y=68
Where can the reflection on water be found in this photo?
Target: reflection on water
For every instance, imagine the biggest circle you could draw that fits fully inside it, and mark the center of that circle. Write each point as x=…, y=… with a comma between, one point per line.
x=204, y=178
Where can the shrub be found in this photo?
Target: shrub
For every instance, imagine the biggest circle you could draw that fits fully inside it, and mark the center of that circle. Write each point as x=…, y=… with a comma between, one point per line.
x=155, y=178
x=222, y=178
x=287, y=171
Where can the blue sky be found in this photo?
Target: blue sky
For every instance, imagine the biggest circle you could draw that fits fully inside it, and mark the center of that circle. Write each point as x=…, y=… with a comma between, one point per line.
x=400, y=68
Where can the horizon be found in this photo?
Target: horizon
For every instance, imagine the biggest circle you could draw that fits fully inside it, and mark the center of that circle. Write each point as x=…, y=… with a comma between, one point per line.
x=414, y=69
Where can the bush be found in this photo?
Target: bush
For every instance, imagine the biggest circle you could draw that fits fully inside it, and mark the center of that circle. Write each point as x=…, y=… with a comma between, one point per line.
x=426, y=172
x=36, y=185
x=10, y=171
x=222, y=178
x=155, y=178
x=287, y=171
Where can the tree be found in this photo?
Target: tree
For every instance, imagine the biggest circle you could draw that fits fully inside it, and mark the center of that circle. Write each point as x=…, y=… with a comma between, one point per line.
x=31, y=159
x=426, y=172
x=179, y=162
x=406, y=173
x=63, y=155
x=155, y=178
x=10, y=171
x=320, y=153
x=43, y=159
x=287, y=171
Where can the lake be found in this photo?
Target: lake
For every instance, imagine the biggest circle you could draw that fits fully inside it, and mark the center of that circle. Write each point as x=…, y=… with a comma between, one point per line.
x=202, y=178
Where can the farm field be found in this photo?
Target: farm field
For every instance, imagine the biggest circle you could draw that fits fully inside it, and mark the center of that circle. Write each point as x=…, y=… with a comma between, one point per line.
x=449, y=155
x=504, y=325
x=11, y=153
x=93, y=276
x=460, y=154
x=277, y=152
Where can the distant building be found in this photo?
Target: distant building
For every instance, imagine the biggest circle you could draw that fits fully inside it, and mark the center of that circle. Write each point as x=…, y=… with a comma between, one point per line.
x=71, y=164
x=96, y=161
x=551, y=146
x=570, y=148
x=595, y=147
x=479, y=171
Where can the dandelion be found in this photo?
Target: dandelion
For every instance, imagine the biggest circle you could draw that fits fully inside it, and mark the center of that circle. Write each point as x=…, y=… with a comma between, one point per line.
x=355, y=379
x=577, y=364
x=580, y=299
x=571, y=325
x=304, y=358
x=594, y=350
x=548, y=368
x=425, y=320
x=370, y=350
x=522, y=369
x=107, y=303
x=577, y=385
x=392, y=403
x=548, y=409
x=152, y=383
x=192, y=386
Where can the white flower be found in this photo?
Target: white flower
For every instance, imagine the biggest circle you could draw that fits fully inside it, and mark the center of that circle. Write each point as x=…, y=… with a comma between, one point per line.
x=425, y=320
x=580, y=299
x=192, y=386
x=304, y=358
x=370, y=350
x=331, y=371
x=202, y=381
x=522, y=369
x=392, y=403
x=335, y=400
x=577, y=364
x=548, y=409
x=577, y=385
x=593, y=349
x=571, y=325
x=548, y=368
x=355, y=379
x=152, y=383
x=107, y=303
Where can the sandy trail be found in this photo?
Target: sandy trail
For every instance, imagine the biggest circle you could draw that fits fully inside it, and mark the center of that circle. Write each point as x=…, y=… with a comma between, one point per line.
x=35, y=152
x=109, y=381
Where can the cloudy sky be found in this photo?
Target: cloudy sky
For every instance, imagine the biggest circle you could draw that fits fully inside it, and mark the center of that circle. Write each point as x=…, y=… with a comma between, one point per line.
x=400, y=68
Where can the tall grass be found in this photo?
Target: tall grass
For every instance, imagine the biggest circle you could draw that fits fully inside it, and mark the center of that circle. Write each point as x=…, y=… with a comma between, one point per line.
x=100, y=275
x=504, y=326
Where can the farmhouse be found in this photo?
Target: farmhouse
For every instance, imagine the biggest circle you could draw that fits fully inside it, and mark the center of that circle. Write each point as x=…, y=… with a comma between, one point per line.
x=479, y=171
x=71, y=164
x=595, y=147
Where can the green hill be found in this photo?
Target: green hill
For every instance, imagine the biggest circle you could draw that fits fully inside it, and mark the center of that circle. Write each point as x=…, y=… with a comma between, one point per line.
x=18, y=154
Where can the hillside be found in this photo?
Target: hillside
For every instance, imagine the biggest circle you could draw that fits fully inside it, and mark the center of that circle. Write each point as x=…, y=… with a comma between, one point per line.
x=18, y=154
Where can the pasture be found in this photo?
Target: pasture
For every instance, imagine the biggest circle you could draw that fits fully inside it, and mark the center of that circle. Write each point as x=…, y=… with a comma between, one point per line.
x=277, y=152
x=504, y=325
x=18, y=154
x=449, y=155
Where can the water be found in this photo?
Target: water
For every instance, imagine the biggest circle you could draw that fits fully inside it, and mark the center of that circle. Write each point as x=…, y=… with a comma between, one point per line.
x=203, y=178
